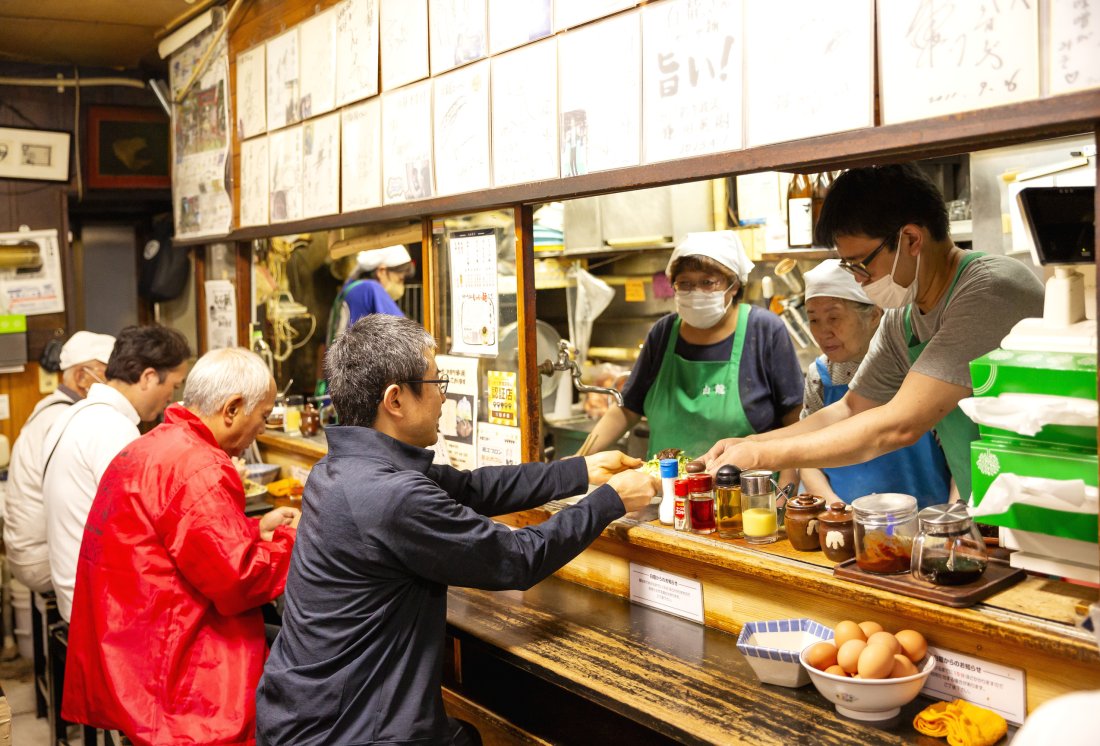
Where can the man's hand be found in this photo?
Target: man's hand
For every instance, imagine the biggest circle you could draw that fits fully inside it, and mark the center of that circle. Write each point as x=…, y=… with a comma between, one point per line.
x=636, y=489
x=278, y=517
x=718, y=449
x=740, y=452
x=602, y=465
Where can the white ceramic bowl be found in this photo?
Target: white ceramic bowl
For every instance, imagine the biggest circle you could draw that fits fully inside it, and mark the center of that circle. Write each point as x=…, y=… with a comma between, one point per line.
x=869, y=699
x=772, y=648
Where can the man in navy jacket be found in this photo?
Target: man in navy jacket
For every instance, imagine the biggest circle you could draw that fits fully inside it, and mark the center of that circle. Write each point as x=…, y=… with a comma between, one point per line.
x=384, y=532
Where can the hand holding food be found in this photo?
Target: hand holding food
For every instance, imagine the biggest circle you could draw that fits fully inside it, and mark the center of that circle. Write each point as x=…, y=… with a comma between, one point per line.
x=866, y=651
x=601, y=466
x=636, y=489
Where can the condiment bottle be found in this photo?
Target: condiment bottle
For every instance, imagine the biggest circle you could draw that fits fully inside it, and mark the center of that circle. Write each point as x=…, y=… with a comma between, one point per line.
x=949, y=549
x=701, y=503
x=800, y=221
x=275, y=419
x=292, y=418
x=311, y=419
x=670, y=470
x=800, y=518
x=835, y=532
x=758, y=512
x=886, y=525
x=694, y=467
x=680, y=518
x=727, y=498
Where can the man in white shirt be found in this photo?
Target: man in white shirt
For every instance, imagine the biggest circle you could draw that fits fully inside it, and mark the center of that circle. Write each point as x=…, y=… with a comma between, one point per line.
x=146, y=366
x=83, y=362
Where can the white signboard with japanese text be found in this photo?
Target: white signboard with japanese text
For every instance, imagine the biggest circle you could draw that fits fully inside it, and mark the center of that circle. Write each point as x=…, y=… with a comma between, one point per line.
x=458, y=420
x=666, y=592
x=283, y=80
x=404, y=37
x=458, y=33
x=943, y=58
x=221, y=314
x=32, y=292
x=461, y=132
x=1073, y=52
x=407, y=169
x=361, y=155
x=525, y=114
x=251, y=93
x=285, y=168
x=321, y=166
x=498, y=445
x=980, y=682
x=255, y=182
x=356, y=50
x=475, y=316
x=318, y=64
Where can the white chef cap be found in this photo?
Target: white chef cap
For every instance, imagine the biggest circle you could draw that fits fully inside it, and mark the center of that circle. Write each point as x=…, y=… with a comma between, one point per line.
x=828, y=279
x=84, y=347
x=391, y=256
x=723, y=247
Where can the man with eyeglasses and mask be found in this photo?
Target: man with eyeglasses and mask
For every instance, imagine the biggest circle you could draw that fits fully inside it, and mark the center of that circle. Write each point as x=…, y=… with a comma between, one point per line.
x=384, y=532
x=943, y=308
x=716, y=367
x=83, y=362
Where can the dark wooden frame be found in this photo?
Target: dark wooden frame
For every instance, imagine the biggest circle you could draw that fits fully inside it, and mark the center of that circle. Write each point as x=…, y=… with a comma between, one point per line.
x=96, y=179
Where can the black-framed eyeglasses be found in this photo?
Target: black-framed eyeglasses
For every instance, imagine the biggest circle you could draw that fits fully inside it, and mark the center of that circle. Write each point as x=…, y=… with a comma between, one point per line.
x=859, y=269
x=442, y=382
x=707, y=286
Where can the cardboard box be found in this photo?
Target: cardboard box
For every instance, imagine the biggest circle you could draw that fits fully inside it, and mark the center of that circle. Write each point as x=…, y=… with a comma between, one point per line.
x=1049, y=373
x=1055, y=547
x=989, y=458
x=1051, y=566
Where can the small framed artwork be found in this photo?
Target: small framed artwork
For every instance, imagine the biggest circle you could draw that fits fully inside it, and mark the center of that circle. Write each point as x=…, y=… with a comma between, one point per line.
x=41, y=155
x=128, y=148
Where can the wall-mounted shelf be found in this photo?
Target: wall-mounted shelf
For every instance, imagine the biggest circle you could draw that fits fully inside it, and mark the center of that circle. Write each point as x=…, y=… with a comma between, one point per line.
x=812, y=254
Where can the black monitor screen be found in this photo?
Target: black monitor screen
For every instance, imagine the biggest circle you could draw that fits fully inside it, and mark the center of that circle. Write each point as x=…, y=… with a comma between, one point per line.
x=1061, y=221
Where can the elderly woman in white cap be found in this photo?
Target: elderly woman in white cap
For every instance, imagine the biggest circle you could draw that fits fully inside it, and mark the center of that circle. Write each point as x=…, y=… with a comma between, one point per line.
x=715, y=368
x=376, y=283
x=843, y=320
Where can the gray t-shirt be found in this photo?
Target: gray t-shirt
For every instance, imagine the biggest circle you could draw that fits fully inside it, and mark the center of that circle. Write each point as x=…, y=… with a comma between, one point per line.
x=993, y=293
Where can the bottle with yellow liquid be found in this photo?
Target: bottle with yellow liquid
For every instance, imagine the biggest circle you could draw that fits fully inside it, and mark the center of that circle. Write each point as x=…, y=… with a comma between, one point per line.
x=758, y=512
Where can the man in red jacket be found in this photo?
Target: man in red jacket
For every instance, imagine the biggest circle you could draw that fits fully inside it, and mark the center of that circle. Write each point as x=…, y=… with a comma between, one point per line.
x=166, y=640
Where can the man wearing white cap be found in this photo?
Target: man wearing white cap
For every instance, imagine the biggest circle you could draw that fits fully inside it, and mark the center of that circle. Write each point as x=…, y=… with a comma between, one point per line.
x=714, y=367
x=386, y=271
x=843, y=320
x=83, y=362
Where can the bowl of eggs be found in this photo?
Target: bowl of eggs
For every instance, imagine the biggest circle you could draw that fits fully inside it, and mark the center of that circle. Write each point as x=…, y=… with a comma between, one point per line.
x=867, y=672
x=772, y=648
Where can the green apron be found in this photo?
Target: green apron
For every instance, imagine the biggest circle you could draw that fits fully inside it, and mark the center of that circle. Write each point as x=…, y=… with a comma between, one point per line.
x=956, y=431
x=693, y=404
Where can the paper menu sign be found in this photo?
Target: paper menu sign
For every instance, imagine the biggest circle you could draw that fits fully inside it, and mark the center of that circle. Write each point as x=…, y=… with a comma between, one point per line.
x=502, y=398
x=498, y=445
x=474, y=295
x=991, y=685
x=458, y=422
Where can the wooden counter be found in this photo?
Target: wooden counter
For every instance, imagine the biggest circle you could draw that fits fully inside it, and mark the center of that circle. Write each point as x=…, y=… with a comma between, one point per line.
x=668, y=676
x=1029, y=626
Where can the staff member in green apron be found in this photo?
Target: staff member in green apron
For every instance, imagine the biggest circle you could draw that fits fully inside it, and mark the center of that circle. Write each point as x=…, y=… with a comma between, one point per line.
x=943, y=308
x=714, y=367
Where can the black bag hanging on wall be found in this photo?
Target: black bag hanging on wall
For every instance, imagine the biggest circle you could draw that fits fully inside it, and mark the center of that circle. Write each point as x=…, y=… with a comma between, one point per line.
x=164, y=266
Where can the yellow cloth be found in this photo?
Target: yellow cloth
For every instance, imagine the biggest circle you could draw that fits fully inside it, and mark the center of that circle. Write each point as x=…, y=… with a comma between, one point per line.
x=964, y=724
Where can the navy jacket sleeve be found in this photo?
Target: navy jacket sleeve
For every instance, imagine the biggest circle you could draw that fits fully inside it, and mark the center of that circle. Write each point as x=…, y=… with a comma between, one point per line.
x=496, y=490
x=447, y=542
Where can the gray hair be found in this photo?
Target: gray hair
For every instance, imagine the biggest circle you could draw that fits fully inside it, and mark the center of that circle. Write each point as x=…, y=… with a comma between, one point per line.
x=376, y=351
x=219, y=375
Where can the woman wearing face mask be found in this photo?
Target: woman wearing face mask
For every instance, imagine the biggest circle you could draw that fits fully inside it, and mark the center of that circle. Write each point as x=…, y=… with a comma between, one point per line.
x=713, y=368
x=843, y=320
x=376, y=282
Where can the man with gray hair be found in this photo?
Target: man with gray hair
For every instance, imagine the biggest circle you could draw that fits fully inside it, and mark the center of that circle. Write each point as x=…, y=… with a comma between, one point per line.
x=167, y=640
x=384, y=532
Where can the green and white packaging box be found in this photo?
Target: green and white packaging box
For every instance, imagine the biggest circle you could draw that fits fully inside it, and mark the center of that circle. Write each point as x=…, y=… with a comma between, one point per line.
x=1027, y=372
x=992, y=457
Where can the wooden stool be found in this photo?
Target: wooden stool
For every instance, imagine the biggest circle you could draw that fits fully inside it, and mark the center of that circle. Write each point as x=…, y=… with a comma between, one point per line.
x=57, y=649
x=43, y=614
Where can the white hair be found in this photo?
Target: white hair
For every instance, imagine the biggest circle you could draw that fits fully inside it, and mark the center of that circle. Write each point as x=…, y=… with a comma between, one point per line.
x=219, y=375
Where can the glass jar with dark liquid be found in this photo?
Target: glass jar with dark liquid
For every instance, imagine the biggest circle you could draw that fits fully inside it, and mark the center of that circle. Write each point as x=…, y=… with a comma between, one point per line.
x=949, y=550
x=701, y=504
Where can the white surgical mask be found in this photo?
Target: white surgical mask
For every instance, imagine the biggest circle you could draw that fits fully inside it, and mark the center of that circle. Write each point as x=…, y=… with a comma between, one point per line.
x=885, y=292
x=702, y=310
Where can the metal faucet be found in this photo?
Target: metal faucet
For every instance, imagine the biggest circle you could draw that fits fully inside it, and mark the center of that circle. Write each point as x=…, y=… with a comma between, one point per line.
x=565, y=362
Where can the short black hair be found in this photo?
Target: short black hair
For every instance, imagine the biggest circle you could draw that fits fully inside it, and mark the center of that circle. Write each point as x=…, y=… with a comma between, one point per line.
x=139, y=347
x=376, y=351
x=877, y=201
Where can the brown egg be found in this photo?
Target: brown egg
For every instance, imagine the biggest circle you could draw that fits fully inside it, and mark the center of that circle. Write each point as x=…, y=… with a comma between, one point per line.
x=869, y=628
x=836, y=671
x=875, y=662
x=912, y=644
x=821, y=655
x=848, y=655
x=847, y=630
x=902, y=667
x=885, y=639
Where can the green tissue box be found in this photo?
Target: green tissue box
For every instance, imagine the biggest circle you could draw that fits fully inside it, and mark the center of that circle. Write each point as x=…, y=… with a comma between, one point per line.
x=1049, y=373
x=988, y=458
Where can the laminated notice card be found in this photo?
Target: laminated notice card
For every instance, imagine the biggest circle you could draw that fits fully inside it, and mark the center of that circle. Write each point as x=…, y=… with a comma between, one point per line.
x=673, y=594
x=691, y=78
x=458, y=420
x=356, y=50
x=939, y=58
x=221, y=314
x=407, y=143
x=498, y=445
x=525, y=114
x=31, y=292
x=461, y=131
x=502, y=398
x=476, y=305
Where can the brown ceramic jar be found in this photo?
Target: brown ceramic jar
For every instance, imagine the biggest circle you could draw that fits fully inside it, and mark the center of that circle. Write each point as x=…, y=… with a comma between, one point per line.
x=835, y=530
x=801, y=520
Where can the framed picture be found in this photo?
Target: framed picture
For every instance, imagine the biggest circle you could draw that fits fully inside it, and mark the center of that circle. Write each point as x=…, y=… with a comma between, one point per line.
x=34, y=154
x=128, y=148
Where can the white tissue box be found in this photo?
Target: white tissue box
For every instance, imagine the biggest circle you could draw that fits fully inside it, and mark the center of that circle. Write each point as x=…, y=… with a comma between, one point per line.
x=1054, y=547
x=1051, y=566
